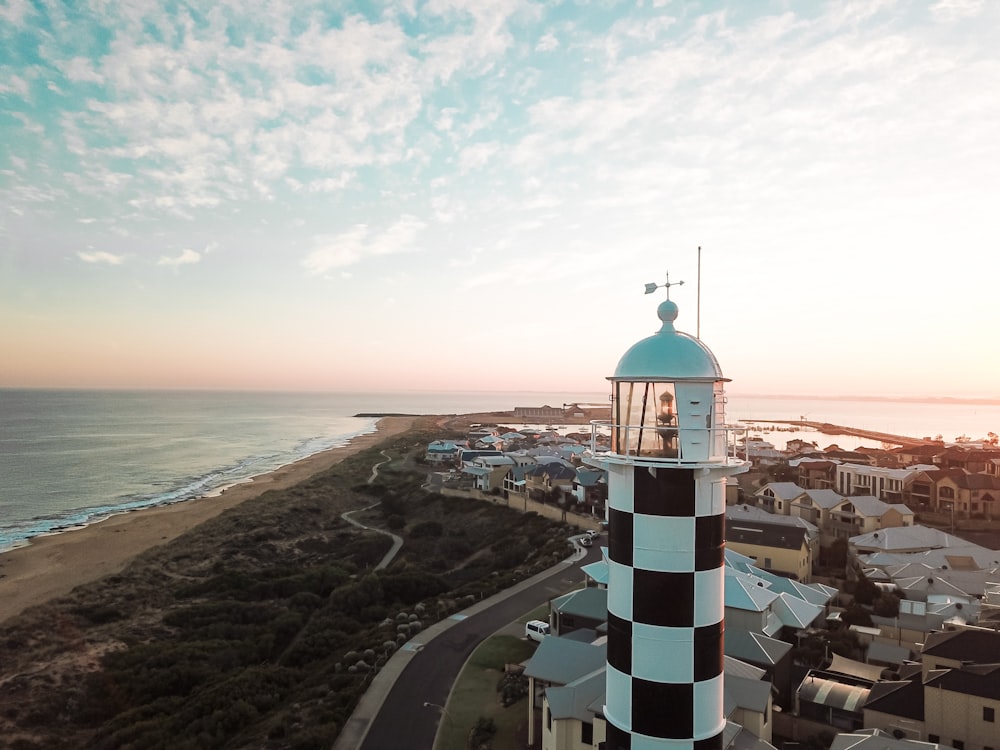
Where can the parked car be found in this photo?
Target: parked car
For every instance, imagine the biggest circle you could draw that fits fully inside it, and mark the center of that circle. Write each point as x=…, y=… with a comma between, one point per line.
x=593, y=534
x=536, y=630
x=586, y=541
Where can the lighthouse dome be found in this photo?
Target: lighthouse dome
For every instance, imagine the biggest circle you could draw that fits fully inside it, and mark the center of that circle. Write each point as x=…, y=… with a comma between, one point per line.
x=668, y=355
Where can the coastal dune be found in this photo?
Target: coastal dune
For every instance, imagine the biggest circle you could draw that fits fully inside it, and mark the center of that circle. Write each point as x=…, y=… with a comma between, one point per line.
x=52, y=566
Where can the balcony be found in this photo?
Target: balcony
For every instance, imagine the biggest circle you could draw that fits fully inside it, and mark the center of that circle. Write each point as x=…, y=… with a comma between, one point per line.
x=655, y=446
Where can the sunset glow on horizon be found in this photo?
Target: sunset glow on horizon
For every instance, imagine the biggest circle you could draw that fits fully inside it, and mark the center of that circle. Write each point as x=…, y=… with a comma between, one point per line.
x=470, y=194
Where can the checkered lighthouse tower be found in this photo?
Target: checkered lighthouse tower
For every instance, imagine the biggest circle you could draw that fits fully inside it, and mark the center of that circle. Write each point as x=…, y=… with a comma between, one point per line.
x=671, y=453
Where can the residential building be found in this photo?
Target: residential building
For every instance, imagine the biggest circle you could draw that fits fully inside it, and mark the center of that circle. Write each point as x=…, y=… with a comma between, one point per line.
x=862, y=514
x=777, y=497
x=489, y=472
x=968, y=494
x=774, y=547
x=953, y=697
x=961, y=706
x=816, y=506
x=884, y=483
x=817, y=474
x=442, y=452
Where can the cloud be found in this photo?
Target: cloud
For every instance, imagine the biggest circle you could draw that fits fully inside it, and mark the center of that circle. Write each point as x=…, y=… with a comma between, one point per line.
x=352, y=246
x=547, y=43
x=186, y=257
x=81, y=70
x=953, y=10
x=100, y=256
x=477, y=155
x=14, y=11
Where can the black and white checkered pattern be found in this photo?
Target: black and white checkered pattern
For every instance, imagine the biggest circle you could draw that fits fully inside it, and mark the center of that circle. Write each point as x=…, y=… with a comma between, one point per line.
x=665, y=608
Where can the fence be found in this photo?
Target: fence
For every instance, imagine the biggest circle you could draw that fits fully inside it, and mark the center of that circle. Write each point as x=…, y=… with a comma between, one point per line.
x=525, y=504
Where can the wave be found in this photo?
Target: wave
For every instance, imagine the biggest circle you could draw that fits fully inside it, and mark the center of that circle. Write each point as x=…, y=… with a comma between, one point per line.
x=19, y=533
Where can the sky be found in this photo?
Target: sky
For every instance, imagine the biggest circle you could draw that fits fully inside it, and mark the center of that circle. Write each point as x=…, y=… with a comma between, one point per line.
x=471, y=194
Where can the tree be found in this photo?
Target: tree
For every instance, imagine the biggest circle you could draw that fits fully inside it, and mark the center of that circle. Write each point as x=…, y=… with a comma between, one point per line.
x=865, y=592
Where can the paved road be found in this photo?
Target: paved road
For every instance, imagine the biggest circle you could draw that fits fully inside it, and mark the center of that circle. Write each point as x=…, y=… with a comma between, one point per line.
x=403, y=720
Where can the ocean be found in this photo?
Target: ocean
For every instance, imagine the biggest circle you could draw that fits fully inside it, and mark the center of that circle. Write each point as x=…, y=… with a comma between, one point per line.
x=73, y=457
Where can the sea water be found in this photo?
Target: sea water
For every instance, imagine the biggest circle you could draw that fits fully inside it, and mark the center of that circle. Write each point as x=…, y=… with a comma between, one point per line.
x=72, y=457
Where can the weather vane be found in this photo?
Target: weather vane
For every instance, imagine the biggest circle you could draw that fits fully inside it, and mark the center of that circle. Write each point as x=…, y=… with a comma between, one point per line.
x=652, y=287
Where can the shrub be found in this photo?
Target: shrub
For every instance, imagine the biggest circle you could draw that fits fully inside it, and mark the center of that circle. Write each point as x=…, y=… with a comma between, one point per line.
x=426, y=529
x=482, y=733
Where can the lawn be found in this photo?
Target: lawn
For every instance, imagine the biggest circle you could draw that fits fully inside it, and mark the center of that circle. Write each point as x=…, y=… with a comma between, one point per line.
x=475, y=695
x=475, y=692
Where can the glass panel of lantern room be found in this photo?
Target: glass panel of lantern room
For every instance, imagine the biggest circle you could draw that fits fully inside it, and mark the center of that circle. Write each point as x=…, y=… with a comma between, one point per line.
x=662, y=405
x=645, y=420
x=622, y=396
x=720, y=447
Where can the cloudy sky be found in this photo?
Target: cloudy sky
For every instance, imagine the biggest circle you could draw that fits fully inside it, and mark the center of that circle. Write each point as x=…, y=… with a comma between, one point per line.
x=470, y=194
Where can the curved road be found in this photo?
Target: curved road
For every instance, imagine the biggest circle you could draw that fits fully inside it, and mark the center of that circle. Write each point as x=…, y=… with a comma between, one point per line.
x=403, y=721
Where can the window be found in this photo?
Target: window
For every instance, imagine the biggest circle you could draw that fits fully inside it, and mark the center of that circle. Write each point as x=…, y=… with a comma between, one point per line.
x=933, y=738
x=587, y=733
x=989, y=714
x=958, y=744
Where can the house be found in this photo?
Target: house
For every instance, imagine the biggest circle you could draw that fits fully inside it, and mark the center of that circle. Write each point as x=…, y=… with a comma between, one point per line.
x=914, y=538
x=777, y=497
x=799, y=446
x=884, y=483
x=468, y=455
x=817, y=507
x=973, y=461
x=956, y=648
x=961, y=706
x=839, y=455
x=780, y=548
x=897, y=706
x=833, y=699
x=590, y=488
x=489, y=472
x=745, y=512
x=544, y=478
x=923, y=453
x=878, y=739
x=817, y=474
x=920, y=489
x=968, y=494
x=583, y=608
x=953, y=697
x=863, y=514
x=441, y=452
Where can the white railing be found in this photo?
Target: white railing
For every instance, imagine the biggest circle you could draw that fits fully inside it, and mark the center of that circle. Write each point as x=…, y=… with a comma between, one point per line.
x=673, y=445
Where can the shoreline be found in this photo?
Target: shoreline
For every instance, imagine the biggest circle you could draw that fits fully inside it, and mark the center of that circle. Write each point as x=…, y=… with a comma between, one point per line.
x=52, y=565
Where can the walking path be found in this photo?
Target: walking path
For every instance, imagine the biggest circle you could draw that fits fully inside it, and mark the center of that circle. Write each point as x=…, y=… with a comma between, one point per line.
x=397, y=541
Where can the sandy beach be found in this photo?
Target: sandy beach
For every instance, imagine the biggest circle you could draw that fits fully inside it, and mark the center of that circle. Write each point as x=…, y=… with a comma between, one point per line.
x=54, y=565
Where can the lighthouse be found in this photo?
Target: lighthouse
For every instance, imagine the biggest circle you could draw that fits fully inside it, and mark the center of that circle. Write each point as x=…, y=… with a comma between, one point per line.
x=671, y=453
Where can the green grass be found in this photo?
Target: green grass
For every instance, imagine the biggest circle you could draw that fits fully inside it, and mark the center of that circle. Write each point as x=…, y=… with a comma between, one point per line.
x=474, y=695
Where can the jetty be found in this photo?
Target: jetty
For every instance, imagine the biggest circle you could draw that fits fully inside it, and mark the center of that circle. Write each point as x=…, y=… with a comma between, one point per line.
x=836, y=429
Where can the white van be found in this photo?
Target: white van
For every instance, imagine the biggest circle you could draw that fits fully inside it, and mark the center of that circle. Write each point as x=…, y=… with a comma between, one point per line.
x=536, y=630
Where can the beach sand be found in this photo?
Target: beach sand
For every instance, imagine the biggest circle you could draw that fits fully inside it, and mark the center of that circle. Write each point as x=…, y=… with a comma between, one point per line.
x=54, y=565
